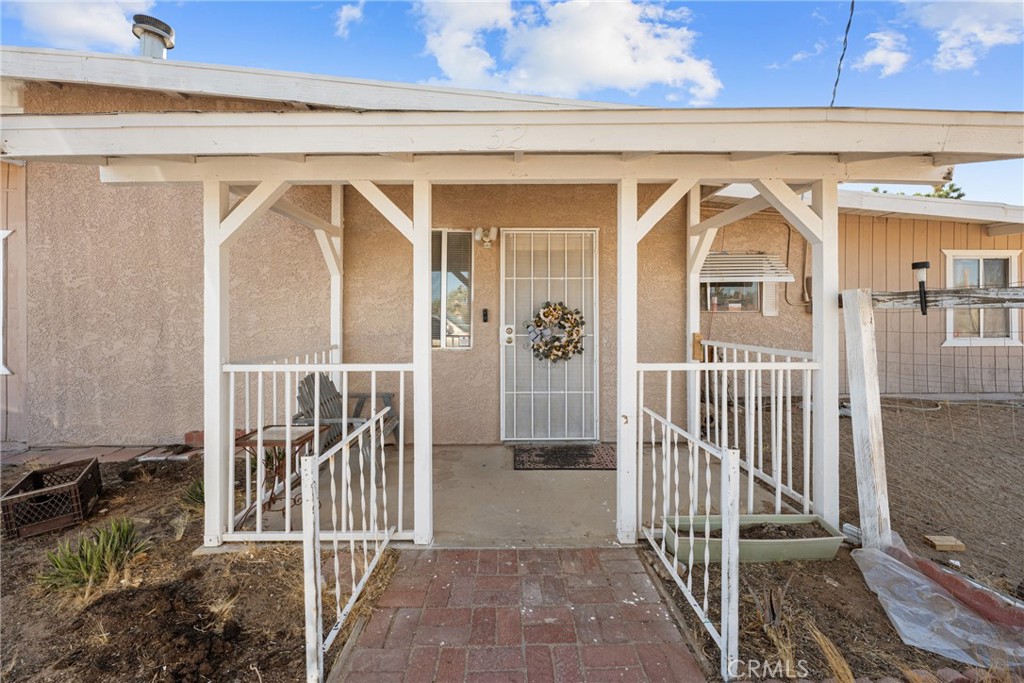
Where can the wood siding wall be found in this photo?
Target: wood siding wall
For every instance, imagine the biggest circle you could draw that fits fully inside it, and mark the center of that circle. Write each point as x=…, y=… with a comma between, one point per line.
x=876, y=253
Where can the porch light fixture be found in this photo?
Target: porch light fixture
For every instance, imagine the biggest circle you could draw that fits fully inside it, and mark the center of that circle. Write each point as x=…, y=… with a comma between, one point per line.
x=920, y=269
x=486, y=237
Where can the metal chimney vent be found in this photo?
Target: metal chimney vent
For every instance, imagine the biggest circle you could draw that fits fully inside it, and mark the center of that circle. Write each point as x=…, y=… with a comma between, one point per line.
x=156, y=36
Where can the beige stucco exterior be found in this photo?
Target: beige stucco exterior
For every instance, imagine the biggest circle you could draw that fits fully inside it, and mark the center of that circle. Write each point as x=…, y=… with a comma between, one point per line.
x=112, y=341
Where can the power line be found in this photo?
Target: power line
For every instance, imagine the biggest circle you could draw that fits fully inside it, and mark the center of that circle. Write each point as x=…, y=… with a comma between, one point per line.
x=839, y=68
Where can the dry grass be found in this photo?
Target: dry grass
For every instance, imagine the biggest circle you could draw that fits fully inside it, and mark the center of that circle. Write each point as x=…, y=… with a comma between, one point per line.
x=836, y=661
x=222, y=608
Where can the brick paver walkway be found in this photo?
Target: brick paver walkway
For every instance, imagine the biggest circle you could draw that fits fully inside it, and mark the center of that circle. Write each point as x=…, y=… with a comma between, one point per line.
x=521, y=615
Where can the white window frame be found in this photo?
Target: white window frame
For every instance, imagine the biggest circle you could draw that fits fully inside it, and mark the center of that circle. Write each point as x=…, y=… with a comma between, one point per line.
x=1011, y=255
x=706, y=298
x=3, y=302
x=444, y=289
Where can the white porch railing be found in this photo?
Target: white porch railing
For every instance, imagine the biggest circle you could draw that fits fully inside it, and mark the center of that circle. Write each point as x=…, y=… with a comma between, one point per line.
x=361, y=514
x=262, y=485
x=755, y=409
x=691, y=552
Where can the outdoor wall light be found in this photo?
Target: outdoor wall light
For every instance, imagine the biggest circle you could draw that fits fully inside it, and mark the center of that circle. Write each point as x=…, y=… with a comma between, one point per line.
x=485, y=236
x=920, y=269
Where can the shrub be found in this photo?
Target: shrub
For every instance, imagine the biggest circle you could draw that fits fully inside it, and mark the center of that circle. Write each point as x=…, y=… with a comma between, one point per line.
x=99, y=558
x=194, y=497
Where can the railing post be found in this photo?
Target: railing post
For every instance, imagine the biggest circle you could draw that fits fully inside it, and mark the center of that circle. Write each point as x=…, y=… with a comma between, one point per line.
x=311, y=568
x=730, y=506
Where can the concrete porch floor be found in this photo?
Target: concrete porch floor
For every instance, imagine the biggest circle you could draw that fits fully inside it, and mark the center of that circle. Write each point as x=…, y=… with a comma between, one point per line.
x=481, y=501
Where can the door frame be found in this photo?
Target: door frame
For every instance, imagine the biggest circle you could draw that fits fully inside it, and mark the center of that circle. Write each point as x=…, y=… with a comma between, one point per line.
x=593, y=334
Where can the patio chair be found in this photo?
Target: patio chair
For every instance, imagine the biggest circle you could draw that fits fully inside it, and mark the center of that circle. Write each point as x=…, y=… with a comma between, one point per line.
x=333, y=413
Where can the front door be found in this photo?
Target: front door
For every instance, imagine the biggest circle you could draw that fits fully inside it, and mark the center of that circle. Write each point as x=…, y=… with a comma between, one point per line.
x=543, y=400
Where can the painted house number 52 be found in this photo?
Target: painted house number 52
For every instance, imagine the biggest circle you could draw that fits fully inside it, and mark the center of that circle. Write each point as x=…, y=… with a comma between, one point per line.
x=507, y=138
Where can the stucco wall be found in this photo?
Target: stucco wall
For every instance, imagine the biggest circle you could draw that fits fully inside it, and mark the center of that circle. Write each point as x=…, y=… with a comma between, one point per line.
x=115, y=305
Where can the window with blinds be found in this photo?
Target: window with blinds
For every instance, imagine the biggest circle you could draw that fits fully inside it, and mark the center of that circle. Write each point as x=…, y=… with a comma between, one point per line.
x=451, y=303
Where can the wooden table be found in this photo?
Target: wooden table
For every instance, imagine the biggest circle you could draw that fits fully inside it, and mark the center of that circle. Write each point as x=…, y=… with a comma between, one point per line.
x=274, y=437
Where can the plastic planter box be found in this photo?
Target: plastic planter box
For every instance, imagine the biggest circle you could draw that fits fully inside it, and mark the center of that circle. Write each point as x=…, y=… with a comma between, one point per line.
x=755, y=550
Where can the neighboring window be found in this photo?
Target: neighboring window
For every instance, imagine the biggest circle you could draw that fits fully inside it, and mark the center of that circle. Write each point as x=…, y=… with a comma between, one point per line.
x=451, y=266
x=982, y=326
x=731, y=297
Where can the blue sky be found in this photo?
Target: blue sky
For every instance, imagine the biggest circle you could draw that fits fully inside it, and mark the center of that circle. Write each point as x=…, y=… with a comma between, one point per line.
x=929, y=55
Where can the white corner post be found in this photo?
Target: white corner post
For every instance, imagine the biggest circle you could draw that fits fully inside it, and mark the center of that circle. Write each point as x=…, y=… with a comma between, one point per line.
x=216, y=278
x=693, y=200
x=423, y=495
x=866, y=406
x=337, y=275
x=626, y=414
x=825, y=340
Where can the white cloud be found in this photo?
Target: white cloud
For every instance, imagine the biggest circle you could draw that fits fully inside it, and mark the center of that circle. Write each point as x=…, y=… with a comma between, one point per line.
x=81, y=25
x=966, y=31
x=347, y=15
x=890, y=53
x=819, y=47
x=567, y=48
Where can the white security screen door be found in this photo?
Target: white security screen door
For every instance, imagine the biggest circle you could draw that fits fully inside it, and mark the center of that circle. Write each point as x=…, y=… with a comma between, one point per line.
x=543, y=400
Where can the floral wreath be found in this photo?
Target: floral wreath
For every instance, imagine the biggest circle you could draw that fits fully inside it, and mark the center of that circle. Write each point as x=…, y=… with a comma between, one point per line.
x=557, y=332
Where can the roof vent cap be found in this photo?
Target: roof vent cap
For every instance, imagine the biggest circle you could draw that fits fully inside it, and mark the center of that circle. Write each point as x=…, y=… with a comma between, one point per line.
x=156, y=36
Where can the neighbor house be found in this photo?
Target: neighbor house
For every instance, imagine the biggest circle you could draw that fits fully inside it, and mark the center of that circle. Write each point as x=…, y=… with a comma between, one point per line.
x=188, y=241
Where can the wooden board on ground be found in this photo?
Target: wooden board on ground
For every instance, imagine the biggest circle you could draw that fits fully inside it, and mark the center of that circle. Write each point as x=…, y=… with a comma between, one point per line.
x=945, y=543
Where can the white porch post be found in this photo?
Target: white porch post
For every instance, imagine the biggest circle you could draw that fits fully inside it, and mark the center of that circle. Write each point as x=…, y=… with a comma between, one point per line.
x=216, y=430
x=337, y=274
x=825, y=334
x=692, y=309
x=423, y=501
x=626, y=346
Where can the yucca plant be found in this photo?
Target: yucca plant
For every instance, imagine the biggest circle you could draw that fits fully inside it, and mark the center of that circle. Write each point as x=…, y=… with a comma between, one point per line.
x=194, y=496
x=99, y=558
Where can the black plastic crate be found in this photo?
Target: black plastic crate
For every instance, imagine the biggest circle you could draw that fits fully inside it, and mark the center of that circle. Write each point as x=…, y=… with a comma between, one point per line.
x=51, y=498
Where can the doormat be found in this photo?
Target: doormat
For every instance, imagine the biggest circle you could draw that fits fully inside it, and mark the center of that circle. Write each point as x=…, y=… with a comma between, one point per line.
x=565, y=456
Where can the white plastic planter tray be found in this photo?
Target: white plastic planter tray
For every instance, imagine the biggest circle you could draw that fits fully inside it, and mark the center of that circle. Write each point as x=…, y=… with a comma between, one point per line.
x=755, y=550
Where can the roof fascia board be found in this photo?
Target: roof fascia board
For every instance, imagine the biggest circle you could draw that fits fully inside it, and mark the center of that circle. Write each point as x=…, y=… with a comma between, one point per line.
x=501, y=168
x=530, y=132
x=119, y=71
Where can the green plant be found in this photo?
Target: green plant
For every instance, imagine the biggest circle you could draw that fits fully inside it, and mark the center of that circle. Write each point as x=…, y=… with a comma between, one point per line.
x=194, y=496
x=98, y=558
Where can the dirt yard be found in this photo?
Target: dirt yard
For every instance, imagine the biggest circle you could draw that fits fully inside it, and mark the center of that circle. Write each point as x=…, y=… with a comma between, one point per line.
x=953, y=470
x=173, y=617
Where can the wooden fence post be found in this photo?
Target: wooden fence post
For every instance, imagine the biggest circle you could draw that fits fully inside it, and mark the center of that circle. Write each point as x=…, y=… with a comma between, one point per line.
x=866, y=408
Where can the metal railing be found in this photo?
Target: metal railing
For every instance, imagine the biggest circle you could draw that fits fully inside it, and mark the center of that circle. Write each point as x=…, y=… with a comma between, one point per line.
x=262, y=486
x=360, y=515
x=682, y=534
x=765, y=412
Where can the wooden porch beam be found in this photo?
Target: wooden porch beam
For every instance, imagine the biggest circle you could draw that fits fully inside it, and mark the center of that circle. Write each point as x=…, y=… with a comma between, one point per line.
x=387, y=208
x=663, y=205
x=289, y=210
x=787, y=202
x=713, y=169
x=250, y=209
x=738, y=212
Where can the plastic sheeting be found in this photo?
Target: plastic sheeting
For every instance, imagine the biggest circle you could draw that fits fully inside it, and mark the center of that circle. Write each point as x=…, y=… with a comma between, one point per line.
x=928, y=616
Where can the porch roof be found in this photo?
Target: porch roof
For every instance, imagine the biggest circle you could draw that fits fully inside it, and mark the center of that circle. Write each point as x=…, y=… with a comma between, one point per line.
x=512, y=138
